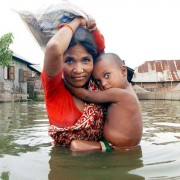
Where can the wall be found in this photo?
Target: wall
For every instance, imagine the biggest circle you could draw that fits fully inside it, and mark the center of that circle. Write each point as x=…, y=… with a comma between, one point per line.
x=157, y=86
x=161, y=95
x=14, y=85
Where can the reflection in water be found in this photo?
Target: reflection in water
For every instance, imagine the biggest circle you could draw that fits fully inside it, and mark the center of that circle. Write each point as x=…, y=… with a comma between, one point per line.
x=16, y=122
x=161, y=121
x=64, y=165
x=25, y=147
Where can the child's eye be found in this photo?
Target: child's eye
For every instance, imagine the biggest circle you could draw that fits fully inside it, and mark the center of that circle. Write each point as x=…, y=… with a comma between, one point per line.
x=107, y=75
x=69, y=60
x=98, y=82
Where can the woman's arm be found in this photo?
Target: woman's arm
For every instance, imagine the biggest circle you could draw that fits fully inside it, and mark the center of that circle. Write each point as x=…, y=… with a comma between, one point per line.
x=57, y=46
x=85, y=146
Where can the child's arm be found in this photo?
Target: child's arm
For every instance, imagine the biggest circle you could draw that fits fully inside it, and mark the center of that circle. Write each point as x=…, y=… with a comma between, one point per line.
x=106, y=96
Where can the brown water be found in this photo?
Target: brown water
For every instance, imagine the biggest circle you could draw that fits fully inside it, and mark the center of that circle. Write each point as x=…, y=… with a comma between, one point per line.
x=27, y=152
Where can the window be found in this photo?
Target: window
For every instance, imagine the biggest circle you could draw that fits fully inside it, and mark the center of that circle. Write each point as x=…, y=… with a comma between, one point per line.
x=9, y=73
x=23, y=75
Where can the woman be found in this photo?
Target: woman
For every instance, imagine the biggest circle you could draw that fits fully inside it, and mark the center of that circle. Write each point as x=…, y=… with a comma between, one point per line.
x=69, y=57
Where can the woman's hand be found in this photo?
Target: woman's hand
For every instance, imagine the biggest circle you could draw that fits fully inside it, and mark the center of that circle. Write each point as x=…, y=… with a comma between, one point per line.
x=92, y=24
x=82, y=22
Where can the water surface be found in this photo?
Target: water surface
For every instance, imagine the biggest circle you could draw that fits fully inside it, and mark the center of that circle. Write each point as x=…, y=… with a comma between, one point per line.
x=27, y=152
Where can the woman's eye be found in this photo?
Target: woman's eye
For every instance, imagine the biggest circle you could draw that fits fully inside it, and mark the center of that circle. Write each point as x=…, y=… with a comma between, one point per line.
x=69, y=60
x=86, y=59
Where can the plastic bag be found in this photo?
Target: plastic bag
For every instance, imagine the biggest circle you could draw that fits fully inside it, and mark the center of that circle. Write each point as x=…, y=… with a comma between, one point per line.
x=43, y=25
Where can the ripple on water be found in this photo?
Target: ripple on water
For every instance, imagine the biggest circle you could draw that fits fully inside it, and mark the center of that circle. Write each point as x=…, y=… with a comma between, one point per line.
x=24, y=142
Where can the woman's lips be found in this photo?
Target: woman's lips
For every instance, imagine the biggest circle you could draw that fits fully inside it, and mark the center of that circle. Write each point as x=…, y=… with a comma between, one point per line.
x=78, y=78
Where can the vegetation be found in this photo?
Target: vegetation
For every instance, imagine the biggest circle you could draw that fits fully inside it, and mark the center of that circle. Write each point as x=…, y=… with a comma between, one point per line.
x=5, y=175
x=5, y=52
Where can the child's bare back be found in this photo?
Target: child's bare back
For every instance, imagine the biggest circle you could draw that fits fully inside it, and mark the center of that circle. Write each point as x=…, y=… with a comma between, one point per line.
x=123, y=125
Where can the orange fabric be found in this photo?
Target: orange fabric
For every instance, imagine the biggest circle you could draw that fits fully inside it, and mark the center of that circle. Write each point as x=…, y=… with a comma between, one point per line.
x=99, y=40
x=60, y=105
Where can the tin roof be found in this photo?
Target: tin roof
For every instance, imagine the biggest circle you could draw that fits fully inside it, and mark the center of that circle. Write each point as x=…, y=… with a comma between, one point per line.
x=158, y=71
x=34, y=67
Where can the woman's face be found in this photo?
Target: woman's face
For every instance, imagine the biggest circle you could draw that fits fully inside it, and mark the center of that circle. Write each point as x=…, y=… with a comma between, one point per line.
x=78, y=66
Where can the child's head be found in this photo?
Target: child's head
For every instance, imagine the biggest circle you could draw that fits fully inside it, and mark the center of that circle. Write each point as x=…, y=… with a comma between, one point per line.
x=110, y=71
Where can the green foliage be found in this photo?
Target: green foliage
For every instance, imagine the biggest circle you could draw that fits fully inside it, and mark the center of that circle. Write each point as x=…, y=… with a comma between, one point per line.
x=5, y=175
x=5, y=52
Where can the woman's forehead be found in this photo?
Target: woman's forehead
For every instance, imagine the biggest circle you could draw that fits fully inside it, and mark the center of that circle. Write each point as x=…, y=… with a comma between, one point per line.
x=76, y=50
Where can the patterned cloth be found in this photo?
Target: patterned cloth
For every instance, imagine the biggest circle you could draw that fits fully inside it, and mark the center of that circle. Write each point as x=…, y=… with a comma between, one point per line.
x=88, y=127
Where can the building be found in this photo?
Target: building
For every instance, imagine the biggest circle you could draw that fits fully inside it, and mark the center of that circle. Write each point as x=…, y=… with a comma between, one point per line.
x=20, y=80
x=158, y=77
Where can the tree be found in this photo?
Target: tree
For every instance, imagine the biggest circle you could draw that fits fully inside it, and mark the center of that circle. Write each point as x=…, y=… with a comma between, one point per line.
x=5, y=52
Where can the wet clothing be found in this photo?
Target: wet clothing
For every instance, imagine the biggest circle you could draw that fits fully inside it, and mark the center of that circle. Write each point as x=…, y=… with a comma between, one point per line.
x=67, y=122
x=60, y=105
x=88, y=127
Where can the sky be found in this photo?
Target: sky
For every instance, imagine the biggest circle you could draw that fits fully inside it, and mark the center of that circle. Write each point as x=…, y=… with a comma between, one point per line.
x=137, y=30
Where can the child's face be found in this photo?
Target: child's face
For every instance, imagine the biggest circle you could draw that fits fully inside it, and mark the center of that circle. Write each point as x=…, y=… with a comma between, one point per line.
x=108, y=74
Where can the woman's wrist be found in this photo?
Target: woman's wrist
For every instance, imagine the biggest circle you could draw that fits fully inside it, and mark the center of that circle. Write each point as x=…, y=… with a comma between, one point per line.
x=75, y=23
x=65, y=25
x=82, y=21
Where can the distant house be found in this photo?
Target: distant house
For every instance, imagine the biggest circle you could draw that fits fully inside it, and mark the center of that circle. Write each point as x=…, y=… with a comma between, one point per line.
x=20, y=80
x=158, y=80
x=158, y=75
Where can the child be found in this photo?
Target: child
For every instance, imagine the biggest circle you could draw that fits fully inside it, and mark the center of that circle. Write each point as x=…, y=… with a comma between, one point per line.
x=123, y=124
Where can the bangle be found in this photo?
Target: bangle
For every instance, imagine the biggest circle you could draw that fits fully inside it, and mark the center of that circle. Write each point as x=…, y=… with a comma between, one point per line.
x=60, y=26
x=105, y=146
x=65, y=25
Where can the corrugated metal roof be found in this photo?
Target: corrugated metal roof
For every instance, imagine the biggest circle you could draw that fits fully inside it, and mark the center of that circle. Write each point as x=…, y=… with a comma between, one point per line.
x=17, y=57
x=36, y=68
x=158, y=71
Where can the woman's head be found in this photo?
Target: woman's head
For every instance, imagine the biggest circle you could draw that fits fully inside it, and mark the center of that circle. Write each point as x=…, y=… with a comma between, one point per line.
x=84, y=37
x=79, y=57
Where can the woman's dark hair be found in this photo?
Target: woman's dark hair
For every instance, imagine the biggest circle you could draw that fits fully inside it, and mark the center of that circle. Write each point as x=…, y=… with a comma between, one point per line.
x=84, y=37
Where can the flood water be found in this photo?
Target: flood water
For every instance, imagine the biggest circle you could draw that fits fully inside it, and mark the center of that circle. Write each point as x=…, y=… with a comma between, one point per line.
x=27, y=152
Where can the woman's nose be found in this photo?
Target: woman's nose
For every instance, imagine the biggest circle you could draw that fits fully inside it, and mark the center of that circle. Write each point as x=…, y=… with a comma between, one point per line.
x=78, y=69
